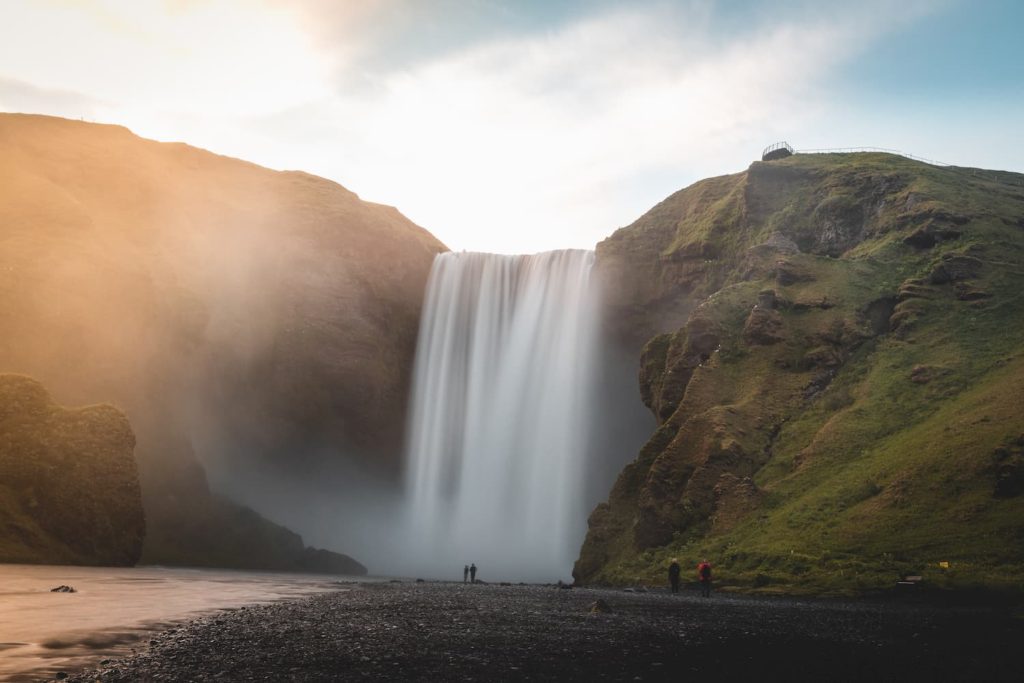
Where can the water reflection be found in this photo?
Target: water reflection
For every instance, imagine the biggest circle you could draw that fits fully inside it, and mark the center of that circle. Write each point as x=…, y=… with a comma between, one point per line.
x=42, y=633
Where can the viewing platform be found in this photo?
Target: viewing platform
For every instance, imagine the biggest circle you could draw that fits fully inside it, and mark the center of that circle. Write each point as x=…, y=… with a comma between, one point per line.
x=780, y=150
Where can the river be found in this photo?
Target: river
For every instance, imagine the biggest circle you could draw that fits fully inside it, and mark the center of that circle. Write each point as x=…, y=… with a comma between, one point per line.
x=42, y=633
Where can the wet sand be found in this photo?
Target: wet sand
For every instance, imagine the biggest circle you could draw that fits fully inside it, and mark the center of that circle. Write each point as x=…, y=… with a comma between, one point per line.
x=455, y=632
x=113, y=608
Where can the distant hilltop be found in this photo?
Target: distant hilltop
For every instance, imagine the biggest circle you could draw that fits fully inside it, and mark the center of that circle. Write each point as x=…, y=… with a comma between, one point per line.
x=781, y=150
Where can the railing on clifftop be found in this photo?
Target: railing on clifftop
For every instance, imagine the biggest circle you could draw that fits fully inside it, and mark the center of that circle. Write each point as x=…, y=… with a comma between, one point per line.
x=780, y=150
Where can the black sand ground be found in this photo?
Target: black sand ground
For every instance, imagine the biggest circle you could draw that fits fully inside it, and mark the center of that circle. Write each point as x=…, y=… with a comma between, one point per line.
x=456, y=632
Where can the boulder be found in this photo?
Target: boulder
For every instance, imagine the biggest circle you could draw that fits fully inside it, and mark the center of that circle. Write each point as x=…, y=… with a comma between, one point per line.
x=955, y=267
x=763, y=327
x=69, y=485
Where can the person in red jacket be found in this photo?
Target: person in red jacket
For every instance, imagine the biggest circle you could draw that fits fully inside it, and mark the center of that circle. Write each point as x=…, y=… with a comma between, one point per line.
x=704, y=574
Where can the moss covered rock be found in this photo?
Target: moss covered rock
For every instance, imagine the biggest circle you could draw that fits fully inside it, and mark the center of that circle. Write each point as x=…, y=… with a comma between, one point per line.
x=69, y=485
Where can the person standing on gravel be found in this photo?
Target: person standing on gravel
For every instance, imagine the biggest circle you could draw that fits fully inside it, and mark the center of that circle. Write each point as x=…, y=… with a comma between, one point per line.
x=673, y=575
x=465, y=574
x=704, y=574
x=472, y=573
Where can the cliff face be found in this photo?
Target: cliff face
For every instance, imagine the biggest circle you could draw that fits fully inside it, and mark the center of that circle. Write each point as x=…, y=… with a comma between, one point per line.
x=834, y=351
x=265, y=318
x=69, y=487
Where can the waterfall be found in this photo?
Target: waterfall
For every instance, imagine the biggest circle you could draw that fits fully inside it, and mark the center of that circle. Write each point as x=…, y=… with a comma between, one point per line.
x=501, y=402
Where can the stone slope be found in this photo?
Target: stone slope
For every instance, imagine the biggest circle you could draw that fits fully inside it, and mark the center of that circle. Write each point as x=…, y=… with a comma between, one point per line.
x=69, y=486
x=265, y=319
x=834, y=346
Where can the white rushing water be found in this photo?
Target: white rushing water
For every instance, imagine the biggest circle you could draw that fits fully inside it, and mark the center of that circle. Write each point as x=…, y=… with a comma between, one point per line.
x=499, y=420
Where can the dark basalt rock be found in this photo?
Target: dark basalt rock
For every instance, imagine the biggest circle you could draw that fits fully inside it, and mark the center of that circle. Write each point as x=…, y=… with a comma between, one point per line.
x=968, y=292
x=788, y=273
x=779, y=243
x=955, y=267
x=1008, y=464
x=820, y=382
x=928, y=237
x=318, y=560
x=878, y=313
x=763, y=327
x=921, y=374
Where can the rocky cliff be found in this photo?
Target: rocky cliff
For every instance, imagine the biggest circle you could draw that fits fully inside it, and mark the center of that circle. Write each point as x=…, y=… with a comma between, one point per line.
x=69, y=486
x=263, y=320
x=833, y=346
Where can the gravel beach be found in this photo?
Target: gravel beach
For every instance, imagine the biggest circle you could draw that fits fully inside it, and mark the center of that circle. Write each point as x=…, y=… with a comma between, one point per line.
x=455, y=632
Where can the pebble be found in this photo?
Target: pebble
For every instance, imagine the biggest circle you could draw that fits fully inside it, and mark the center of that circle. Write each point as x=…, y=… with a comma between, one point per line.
x=409, y=632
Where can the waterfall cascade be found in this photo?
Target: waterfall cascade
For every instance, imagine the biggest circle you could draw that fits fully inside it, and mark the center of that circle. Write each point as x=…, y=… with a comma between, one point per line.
x=499, y=422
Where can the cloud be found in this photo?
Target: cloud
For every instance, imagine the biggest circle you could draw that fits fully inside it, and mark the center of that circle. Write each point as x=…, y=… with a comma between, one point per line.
x=17, y=95
x=222, y=57
x=524, y=143
x=547, y=133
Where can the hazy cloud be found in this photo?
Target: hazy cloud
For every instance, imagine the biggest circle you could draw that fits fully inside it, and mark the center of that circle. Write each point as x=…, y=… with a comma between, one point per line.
x=498, y=126
x=537, y=141
x=19, y=96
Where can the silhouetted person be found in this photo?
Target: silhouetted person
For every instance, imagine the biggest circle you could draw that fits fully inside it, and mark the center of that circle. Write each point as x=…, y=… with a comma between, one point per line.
x=472, y=573
x=704, y=574
x=673, y=575
x=465, y=574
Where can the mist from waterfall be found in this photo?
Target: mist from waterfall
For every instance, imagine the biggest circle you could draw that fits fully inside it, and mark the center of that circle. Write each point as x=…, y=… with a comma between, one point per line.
x=499, y=426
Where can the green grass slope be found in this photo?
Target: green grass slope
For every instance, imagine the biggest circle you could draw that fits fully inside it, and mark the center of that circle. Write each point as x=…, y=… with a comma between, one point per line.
x=842, y=404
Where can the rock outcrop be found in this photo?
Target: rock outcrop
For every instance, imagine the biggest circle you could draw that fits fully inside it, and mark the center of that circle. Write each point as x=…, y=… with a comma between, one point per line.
x=831, y=345
x=264, y=321
x=69, y=485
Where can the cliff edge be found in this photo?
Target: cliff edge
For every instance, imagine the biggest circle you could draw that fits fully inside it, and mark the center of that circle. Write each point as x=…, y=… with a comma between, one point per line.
x=833, y=346
x=259, y=322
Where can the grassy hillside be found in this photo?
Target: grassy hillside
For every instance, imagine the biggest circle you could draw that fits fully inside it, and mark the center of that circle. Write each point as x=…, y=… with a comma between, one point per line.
x=69, y=487
x=264, y=319
x=841, y=406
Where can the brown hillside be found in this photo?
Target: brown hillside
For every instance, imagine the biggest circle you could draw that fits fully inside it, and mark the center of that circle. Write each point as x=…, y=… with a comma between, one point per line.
x=271, y=314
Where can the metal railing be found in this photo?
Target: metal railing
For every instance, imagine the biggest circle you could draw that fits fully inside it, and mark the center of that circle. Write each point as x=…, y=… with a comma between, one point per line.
x=776, y=147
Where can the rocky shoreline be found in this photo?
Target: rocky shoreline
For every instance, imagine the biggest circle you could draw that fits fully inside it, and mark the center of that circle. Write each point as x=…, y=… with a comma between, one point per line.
x=441, y=631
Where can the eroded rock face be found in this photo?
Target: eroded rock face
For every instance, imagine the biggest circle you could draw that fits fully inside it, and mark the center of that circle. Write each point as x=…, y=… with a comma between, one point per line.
x=69, y=485
x=954, y=268
x=668, y=362
x=735, y=497
x=763, y=326
x=795, y=320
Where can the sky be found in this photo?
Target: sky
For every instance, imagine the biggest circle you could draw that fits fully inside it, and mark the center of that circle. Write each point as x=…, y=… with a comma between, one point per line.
x=523, y=126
